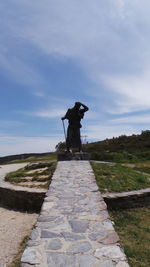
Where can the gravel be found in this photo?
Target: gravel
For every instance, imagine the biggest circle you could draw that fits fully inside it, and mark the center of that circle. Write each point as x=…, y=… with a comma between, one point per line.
x=14, y=226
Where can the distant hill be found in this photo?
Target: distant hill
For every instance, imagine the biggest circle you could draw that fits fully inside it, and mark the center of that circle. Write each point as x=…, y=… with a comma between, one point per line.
x=22, y=157
x=134, y=147
x=140, y=142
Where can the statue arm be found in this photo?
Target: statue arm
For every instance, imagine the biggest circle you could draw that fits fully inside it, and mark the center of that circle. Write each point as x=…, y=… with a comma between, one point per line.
x=66, y=115
x=85, y=107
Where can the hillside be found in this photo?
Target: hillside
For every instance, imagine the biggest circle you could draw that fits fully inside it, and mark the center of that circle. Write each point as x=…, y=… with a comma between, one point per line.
x=134, y=147
x=140, y=142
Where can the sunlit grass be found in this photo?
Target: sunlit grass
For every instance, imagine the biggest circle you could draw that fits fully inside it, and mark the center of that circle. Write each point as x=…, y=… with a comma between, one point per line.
x=133, y=227
x=23, y=174
x=118, y=178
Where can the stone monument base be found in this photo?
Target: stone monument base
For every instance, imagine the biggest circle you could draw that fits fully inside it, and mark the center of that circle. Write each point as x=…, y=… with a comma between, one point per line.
x=62, y=156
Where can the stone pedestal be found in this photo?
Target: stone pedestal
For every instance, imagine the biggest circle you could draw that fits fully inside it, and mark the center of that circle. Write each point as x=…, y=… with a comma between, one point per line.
x=81, y=156
x=62, y=156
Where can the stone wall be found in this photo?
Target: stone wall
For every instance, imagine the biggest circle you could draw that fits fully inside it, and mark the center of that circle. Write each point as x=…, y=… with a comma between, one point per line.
x=20, y=198
x=127, y=200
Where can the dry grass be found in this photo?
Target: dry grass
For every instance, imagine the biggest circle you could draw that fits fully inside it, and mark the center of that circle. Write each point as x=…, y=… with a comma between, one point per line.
x=25, y=176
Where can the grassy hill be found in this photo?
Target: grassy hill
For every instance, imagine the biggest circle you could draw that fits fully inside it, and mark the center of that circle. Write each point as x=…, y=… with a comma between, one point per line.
x=121, y=149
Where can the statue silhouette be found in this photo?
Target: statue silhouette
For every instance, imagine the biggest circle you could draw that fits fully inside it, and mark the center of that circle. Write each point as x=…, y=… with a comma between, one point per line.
x=74, y=116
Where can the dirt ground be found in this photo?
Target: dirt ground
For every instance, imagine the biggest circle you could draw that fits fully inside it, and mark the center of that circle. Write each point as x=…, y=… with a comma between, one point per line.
x=14, y=226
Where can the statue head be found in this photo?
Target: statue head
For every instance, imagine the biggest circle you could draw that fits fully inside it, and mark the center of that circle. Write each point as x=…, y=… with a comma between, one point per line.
x=77, y=105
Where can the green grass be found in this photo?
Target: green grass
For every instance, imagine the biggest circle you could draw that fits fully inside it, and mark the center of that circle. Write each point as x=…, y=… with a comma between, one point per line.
x=20, y=175
x=16, y=176
x=143, y=169
x=133, y=227
x=118, y=178
x=37, y=165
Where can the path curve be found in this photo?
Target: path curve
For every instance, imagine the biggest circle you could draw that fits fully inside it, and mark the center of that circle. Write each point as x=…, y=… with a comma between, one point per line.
x=4, y=169
x=19, y=197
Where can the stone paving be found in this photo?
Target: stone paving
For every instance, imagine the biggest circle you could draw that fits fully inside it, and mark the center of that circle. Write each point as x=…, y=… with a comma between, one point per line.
x=74, y=228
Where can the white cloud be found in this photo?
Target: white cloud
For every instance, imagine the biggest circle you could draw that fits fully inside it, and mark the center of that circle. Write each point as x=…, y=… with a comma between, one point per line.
x=11, y=123
x=47, y=113
x=39, y=94
x=138, y=119
x=20, y=71
x=108, y=131
x=10, y=145
x=97, y=35
x=133, y=91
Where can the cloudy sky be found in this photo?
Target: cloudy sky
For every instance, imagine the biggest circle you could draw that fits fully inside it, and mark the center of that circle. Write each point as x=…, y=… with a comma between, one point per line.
x=56, y=52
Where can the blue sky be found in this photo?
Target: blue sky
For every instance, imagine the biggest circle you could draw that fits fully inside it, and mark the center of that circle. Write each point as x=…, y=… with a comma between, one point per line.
x=53, y=53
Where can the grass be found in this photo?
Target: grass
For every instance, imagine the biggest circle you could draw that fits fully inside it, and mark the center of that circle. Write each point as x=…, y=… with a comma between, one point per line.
x=16, y=176
x=143, y=169
x=119, y=178
x=21, y=175
x=133, y=227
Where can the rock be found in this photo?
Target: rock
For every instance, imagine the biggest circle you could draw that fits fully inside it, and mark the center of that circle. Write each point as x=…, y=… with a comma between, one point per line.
x=47, y=218
x=87, y=261
x=95, y=236
x=122, y=264
x=79, y=226
x=110, y=252
x=72, y=237
x=109, y=238
x=35, y=234
x=31, y=256
x=106, y=263
x=54, y=244
x=48, y=234
x=101, y=226
x=80, y=247
x=60, y=260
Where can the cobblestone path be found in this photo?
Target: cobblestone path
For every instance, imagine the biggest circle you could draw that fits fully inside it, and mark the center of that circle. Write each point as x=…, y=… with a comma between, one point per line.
x=74, y=228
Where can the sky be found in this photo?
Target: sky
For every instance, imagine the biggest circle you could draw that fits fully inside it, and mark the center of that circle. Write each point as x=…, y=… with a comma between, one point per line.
x=56, y=52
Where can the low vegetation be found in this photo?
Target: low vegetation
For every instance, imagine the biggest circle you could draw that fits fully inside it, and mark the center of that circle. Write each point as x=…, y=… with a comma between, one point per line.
x=133, y=227
x=119, y=178
x=143, y=167
x=122, y=149
x=34, y=172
